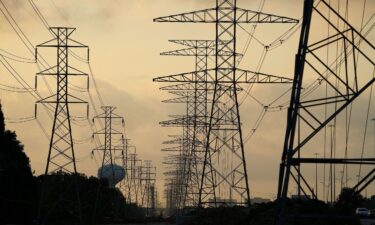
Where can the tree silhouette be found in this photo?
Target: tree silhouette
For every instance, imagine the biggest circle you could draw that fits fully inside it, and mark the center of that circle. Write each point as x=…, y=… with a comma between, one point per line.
x=17, y=189
x=348, y=201
x=20, y=190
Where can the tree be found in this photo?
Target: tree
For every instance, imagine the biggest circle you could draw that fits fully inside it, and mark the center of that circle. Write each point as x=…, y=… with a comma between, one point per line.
x=348, y=201
x=17, y=189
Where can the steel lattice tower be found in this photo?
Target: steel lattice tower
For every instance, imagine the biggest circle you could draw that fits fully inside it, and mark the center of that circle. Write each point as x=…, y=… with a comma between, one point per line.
x=148, y=178
x=109, y=132
x=134, y=179
x=196, y=102
x=108, y=149
x=177, y=174
x=123, y=156
x=129, y=160
x=61, y=151
x=306, y=118
x=61, y=155
x=224, y=136
x=195, y=124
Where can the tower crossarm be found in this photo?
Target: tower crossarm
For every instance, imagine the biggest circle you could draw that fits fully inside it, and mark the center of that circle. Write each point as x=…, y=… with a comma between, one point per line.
x=113, y=132
x=173, y=141
x=173, y=149
x=185, y=87
x=54, y=99
x=189, y=52
x=181, y=122
x=194, y=52
x=54, y=71
x=242, y=76
x=195, y=43
x=57, y=32
x=363, y=161
x=185, y=99
x=209, y=16
x=189, y=87
x=193, y=120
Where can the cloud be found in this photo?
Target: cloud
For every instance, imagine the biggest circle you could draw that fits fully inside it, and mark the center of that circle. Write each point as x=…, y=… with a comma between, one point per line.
x=124, y=46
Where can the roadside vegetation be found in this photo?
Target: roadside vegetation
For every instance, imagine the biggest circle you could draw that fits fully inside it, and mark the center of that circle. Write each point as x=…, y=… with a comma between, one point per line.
x=20, y=192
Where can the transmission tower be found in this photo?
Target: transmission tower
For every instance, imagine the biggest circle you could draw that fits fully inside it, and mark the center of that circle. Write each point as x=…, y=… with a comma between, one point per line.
x=61, y=156
x=195, y=98
x=190, y=159
x=128, y=159
x=224, y=135
x=177, y=172
x=134, y=179
x=140, y=189
x=196, y=121
x=109, y=133
x=345, y=78
x=148, y=178
x=108, y=149
x=123, y=157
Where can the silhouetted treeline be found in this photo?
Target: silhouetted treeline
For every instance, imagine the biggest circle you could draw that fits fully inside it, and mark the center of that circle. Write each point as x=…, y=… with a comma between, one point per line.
x=340, y=213
x=17, y=184
x=99, y=203
x=20, y=192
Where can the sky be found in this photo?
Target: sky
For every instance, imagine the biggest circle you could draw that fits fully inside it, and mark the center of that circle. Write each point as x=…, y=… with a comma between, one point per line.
x=125, y=45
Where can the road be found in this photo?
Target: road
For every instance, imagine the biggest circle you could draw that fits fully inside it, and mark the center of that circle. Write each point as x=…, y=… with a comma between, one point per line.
x=368, y=221
x=148, y=224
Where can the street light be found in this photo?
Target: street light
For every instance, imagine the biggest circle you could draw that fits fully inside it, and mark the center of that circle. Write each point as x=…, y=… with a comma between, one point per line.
x=316, y=175
x=325, y=187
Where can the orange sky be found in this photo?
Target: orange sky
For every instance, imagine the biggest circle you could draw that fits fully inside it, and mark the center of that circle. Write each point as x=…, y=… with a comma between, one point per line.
x=125, y=46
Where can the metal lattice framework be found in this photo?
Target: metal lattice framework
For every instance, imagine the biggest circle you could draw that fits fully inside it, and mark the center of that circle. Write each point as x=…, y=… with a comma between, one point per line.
x=108, y=132
x=306, y=117
x=225, y=138
x=61, y=154
x=190, y=155
x=61, y=150
x=133, y=178
x=195, y=122
x=148, y=178
x=123, y=156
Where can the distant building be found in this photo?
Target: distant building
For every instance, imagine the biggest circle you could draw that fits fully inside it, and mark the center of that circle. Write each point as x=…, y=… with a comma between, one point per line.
x=257, y=200
x=222, y=202
x=301, y=197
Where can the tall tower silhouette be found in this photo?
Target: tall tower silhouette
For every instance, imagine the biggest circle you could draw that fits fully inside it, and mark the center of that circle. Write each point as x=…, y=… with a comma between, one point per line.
x=61, y=156
x=225, y=185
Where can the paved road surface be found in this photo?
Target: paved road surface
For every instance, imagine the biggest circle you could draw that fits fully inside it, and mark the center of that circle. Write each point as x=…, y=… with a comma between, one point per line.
x=368, y=221
x=148, y=224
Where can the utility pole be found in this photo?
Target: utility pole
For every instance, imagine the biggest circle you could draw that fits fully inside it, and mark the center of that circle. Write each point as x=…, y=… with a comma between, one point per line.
x=225, y=16
x=316, y=175
x=332, y=180
x=61, y=155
